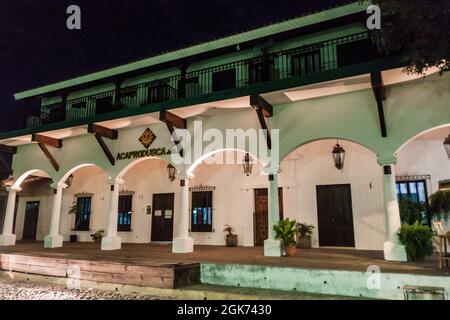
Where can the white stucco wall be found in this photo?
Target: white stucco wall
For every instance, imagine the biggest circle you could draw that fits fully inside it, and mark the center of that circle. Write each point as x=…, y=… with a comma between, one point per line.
x=302, y=171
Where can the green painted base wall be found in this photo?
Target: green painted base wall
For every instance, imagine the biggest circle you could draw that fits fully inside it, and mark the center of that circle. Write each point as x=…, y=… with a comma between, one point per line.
x=330, y=282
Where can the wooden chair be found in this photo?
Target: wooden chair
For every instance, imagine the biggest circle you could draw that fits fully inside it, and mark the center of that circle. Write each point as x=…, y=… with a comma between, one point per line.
x=442, y=239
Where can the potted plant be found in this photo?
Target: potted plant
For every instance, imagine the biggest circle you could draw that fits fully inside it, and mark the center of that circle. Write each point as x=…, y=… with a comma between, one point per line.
x=98, y=235
x=411, y=211
x=305, y=232
x=286, y=232
x=230, y=238
x=417, y=239
x=75, y=210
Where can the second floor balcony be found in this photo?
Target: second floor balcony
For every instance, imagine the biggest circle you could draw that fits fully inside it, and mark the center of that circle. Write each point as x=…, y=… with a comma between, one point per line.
x=217, y=82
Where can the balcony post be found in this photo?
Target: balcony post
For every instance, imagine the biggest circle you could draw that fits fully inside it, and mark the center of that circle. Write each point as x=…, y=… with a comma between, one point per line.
x=182, y=83
x=118, y=85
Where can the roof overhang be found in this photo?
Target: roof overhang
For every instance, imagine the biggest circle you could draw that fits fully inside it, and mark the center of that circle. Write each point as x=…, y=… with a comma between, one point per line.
x=234, y=40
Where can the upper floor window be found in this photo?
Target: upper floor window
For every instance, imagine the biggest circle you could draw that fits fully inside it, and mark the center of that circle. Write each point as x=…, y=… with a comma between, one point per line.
x=223, y=80
x=261, y=71
x=56, y=113
x=306, y=62
x=83, y=215
x=104, y=105
x=124, y=214
x=355, y=52
x=158, y=91
x=79, y=105
x=202, y=211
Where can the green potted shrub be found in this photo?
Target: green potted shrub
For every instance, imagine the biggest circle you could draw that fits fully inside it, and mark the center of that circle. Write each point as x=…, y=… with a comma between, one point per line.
x=417, y=239
x=231, y=238
x=412, y=211
x=98, y=235
x=305, y=232
x=286, y=232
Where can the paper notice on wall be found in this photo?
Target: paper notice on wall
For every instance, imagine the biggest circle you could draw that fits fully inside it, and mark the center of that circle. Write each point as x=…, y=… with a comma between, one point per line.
x=168, y=214
x=158, y=213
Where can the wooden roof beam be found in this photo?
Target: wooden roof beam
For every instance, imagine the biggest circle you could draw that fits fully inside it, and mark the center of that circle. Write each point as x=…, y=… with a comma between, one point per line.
x=47, y=141
x=258, y=102
x=103, y=131
x=379, y=91
x=173, y=121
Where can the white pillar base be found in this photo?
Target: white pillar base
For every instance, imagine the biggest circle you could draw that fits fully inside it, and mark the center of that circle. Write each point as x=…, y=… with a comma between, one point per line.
x=52, y=241
x=394, y=252
x=183, y=245
x=272, y=248
x=7, y=240
x=111, y=243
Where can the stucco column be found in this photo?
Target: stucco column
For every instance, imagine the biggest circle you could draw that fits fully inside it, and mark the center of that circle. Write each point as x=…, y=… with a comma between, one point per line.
x=8, y=238
x=111, y=241
x=182, y=243
x=272, y=247
x=393, y=250
x=54, y=239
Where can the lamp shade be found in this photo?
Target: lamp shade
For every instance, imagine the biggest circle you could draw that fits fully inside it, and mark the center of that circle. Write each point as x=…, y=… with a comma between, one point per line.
x=171, y=171
x=248, y=164
x=447, y=146
x=338, y=156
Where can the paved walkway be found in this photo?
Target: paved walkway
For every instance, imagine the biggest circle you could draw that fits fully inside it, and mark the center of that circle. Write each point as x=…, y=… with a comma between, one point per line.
x=16, y=290
x=354, y=260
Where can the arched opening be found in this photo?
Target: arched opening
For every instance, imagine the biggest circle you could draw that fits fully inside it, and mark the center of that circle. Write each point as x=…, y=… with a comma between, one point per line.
x=345, y=205
x=85, y=202
x=147, y=205
x=31, y=205
x=423, y=168
x=222, y=193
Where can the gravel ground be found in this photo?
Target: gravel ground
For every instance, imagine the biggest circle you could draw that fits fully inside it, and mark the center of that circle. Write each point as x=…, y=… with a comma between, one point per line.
x=13, y=290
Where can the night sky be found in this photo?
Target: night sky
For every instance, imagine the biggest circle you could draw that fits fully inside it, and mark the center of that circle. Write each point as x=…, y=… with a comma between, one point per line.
x=36, y=48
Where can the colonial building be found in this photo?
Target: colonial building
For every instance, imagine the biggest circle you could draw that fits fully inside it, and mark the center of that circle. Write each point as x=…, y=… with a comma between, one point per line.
x=352, y=132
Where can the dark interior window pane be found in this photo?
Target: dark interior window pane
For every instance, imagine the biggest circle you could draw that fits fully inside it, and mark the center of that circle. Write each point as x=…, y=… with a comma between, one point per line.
x=104, y=105
x=223, y=80
x=125, y=212
x=201, y=211
x=82, y=219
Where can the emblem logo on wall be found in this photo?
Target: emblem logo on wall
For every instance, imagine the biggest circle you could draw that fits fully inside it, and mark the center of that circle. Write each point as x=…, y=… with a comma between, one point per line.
x=147, y=138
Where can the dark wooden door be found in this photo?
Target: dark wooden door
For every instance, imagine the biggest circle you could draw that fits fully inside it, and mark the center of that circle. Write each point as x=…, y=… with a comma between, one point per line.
x=261, y=215
x=162, y=217
x=31, y=220
x=335, y=216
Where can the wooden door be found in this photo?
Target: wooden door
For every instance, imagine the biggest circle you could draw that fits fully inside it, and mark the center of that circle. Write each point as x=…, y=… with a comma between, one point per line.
x=162, y=217
x=335, y=216
x=261, y=215
x=31, y=220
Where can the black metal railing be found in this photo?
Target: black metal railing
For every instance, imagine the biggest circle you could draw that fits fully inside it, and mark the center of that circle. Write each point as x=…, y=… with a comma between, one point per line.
x=295, y=62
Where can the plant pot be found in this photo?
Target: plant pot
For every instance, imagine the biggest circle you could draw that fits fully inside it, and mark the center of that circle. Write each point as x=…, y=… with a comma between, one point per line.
x=304, y=243
x=73, y=238
x=290, y=251
x=232, y=240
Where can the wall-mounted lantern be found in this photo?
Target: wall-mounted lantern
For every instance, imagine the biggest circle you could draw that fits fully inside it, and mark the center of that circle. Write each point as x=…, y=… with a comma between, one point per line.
x=172, y=172
x=338, y=156
x=248, y=164
x=447, y=146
